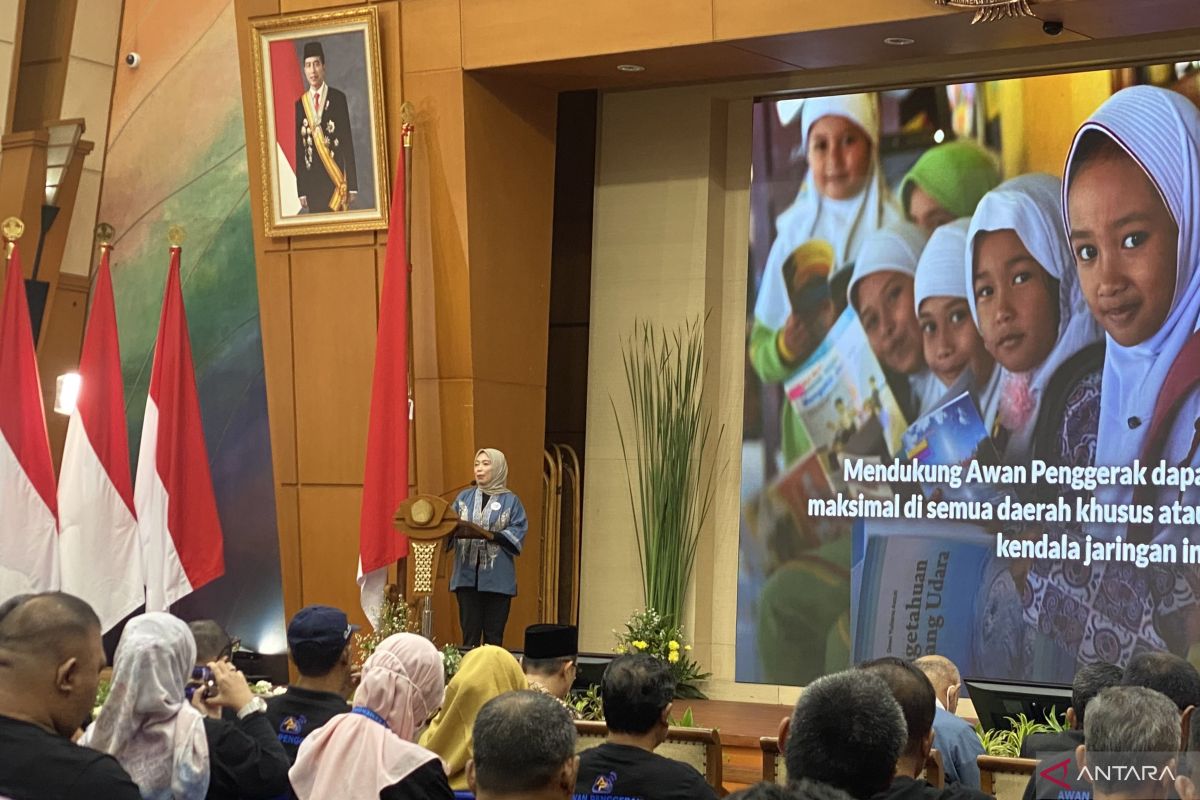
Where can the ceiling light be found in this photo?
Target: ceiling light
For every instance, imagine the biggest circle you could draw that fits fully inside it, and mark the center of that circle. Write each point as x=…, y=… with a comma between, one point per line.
x=630, y=68
x=899, y=41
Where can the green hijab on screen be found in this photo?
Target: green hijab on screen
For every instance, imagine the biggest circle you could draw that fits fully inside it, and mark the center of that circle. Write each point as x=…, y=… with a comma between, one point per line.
x=956, y=174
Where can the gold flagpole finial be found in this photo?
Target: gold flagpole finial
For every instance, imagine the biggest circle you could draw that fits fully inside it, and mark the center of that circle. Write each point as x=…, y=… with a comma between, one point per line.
x=408, y=115
x=12, y=228
x=176, y=235
x=105, y=233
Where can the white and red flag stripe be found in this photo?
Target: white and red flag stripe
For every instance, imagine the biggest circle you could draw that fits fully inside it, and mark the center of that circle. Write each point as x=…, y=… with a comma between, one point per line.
x=385, y=478
x=28, y=506
x=286, y=88
x=182, y=545
x=99, y=547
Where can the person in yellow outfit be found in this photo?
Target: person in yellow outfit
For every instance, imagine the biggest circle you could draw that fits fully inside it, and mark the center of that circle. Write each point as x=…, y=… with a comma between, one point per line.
x=486, y=672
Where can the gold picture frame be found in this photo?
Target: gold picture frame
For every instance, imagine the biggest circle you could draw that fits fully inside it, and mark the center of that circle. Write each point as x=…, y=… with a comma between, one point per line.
x=324, y=165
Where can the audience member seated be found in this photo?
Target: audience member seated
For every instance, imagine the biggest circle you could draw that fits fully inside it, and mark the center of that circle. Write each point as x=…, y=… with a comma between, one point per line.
x=369, y=752
x=486, y=672
x=50, y=662
x=212, y=642
x=953, y=736
x=1089, y=681
x=799, y=790
x=246, y=760
x=1169, y=674
x=846, y=731
x=1164, y=673
x=762, y=791
x=147, y=724
x=318, y=643
x=524, y=749
x=549, y=660
x=636, y=692
x=913, y=691
x=1130, y=726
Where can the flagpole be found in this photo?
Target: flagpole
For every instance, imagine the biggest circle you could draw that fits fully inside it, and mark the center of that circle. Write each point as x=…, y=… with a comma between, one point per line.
x=407, y=128
x=407, y=113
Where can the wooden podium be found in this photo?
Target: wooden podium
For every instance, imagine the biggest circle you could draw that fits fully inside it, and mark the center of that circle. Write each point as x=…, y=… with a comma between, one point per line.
x=430, y=523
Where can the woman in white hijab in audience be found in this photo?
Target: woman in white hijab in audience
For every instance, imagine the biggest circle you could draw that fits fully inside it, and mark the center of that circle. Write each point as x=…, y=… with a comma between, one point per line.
x=1132, y=200
x=370, y=752
x=843, y=199
x=146, y=723
x=881, y=292
x=954, y=349
x=1025, y=297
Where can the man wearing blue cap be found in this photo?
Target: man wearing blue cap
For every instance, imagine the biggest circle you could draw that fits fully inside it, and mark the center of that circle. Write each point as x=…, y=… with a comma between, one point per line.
x=318, y=642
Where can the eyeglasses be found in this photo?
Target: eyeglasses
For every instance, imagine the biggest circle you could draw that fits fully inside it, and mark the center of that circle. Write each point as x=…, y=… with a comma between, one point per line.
x=234, y=645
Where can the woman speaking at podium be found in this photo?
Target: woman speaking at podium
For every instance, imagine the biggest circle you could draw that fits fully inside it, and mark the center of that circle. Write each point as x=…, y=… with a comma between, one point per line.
x=485, y=544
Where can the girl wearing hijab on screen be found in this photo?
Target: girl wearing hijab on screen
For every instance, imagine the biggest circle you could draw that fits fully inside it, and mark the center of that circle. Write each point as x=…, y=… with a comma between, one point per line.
x=953, y=347
x=485, y=572
x=146, y=723
x=947, y=183
x=1132, y=200
x=1025, y=299
x=369, y=752
x=843, y=199
x=486, y=672
x=881, y=292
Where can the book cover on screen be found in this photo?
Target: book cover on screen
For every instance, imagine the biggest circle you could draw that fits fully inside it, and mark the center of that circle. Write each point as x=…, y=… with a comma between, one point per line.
x=953, y=433
x=842, y=397
x=920, y=592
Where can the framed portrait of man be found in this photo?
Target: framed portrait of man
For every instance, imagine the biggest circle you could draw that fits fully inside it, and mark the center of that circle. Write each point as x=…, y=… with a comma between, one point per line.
x=319, y=102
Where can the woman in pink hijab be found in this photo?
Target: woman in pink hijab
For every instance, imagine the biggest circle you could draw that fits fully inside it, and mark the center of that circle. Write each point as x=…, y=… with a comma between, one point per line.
x=369, y=752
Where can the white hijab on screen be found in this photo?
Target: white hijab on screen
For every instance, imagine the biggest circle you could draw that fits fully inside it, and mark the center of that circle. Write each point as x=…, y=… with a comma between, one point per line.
x=146, y=723
x=940, y=274
x=1031, y=205
x=1160, y=130
x=842, y=223
x=897, y=247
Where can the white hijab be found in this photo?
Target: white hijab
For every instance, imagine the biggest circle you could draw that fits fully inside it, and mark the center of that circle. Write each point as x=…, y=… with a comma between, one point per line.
x=843, y=223
x=147, y=724
x=897, y=247
x=1031, y=206
x=1160, y=130
x=940, y=274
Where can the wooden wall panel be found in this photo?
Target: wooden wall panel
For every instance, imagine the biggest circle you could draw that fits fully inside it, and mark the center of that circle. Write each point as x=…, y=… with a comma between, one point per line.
x=58, y=351
x=275, y=317
x=333, y=325
x=510, y=147
x=287, y=513
x=498, y=32
x=431, y=38
x=440, y=279
x=329, y=547
x=736, y=19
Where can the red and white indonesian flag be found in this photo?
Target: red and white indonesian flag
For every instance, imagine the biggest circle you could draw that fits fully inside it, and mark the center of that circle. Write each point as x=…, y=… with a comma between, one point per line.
x=385, y=480
x=100, y=551
x=287, y=86
x=182, y=546
x=28, y=506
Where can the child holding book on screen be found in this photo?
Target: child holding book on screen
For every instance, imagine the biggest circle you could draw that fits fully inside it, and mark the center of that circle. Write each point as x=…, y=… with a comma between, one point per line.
x=953, y=347
x=1025, y=300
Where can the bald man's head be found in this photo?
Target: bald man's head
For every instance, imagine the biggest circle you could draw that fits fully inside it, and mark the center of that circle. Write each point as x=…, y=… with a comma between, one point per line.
x=50, y=660
x=945, y=679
